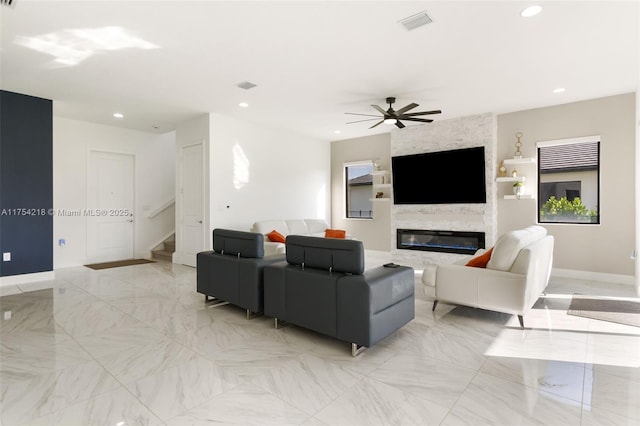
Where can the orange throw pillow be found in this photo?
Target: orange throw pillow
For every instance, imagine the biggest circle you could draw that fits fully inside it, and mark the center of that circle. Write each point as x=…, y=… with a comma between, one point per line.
x=335, y=233
x=480, y=261
x=276, y=237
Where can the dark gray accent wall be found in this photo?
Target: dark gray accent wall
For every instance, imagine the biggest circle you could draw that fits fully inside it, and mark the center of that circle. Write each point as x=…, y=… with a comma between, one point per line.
x=26, y=183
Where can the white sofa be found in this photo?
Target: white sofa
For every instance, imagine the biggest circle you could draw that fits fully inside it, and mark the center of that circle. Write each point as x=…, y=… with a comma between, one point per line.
x=307, y=227
x=517, y=273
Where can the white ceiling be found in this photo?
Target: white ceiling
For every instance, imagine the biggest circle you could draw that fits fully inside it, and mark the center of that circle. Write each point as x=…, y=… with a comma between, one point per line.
x=314, y=61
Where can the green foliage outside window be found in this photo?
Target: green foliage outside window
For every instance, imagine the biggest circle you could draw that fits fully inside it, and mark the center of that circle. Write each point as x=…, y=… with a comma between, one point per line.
x=563, y=210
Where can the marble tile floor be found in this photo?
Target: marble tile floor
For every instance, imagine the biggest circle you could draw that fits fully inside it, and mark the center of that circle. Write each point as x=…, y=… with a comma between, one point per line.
x=138, y=346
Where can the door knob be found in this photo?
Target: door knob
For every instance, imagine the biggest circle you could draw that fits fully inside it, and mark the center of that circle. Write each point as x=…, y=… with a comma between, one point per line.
x=199, y=221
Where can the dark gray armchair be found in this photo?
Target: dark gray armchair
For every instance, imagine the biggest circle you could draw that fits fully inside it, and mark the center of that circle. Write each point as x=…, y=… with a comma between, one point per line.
x=233, y=271
x=323, y=287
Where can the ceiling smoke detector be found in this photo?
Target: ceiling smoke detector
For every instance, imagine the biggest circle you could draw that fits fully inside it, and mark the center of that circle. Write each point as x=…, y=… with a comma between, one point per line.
x=415, y=21
x=246, y=85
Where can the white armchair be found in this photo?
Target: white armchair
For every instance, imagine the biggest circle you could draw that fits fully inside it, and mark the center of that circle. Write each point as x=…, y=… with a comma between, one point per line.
x=517, y=273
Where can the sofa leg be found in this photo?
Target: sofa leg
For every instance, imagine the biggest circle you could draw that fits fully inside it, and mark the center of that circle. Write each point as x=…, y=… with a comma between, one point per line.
x=279, y=324
x=435, y=303
x=252, y=315
x=356, y=349
x=521, y=321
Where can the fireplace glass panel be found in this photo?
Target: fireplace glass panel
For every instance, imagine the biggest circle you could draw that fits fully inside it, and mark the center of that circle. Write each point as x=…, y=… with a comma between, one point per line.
x=440, y=241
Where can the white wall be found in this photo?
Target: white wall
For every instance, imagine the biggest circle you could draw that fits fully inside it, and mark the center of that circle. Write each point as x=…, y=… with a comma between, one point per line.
x=254, y=173
x=259, y=173
x=154, y=181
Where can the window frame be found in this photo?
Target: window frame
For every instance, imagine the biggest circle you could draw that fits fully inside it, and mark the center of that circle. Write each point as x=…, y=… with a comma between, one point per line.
x=345, y=187
x=570, y=141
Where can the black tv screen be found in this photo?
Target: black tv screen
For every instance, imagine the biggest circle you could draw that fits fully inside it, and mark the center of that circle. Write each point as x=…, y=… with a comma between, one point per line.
x=444, y=177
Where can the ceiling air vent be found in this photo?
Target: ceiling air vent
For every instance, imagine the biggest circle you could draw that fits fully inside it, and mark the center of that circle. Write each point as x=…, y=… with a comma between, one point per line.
x=246, y=85
x=415, y=21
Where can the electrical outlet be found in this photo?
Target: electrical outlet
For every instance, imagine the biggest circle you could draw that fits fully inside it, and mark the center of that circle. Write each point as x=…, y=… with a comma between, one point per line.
x=7, y=315
x=6, y=257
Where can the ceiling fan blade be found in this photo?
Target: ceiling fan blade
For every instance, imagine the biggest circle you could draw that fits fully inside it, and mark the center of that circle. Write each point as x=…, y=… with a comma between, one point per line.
x=355, y=113
x=422, y=120
x=360, y=121
x=405, y=109
x=437, y=111
x=377, y=124
x=380, y=110
x=399, y=124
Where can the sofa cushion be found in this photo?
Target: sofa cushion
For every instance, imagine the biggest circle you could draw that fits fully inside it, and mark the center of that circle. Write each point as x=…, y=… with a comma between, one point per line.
x=276, y=237
x=297, y=227
x=481, y=260
x=266, y=226
x=316, y=226
x=509, y=245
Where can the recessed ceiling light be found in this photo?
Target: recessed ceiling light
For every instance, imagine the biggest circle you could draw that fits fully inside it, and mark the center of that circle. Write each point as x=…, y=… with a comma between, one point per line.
x=118, y=115
x=559, y=90
x=337, y=132
x=531, y=11
x=243, y=104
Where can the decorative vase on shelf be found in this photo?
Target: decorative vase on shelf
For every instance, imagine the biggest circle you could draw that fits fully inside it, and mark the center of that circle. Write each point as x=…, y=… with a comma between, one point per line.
x=518, y=189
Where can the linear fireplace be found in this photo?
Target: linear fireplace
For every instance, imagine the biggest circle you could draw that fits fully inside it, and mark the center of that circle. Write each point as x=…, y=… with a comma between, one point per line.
x=461, y=242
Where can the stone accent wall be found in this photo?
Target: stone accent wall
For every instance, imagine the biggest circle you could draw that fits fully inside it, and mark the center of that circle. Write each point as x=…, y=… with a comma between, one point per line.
x=457, y=133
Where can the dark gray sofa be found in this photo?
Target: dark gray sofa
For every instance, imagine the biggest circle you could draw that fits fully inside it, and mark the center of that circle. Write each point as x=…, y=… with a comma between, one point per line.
x=323, y=286
x=232, y=271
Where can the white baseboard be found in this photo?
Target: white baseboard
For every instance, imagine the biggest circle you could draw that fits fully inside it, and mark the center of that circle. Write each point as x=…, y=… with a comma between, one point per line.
x=594, y=276
x=27, y=278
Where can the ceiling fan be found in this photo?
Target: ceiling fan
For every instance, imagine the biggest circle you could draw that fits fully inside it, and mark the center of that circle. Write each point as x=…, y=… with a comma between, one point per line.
x=393, y=117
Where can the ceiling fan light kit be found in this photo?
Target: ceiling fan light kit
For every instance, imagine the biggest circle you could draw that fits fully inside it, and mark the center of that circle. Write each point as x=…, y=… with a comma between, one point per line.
x=390, y=116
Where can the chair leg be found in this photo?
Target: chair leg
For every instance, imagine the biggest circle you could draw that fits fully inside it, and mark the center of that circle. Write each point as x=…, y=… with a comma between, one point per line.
x=213, y=301
x=435, y=303
x=279, y=324
x=521, y=321
x=356, y=349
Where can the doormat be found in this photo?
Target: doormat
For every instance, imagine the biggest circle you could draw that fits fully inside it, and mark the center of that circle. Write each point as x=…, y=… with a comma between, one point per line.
x=119, y=263
x=621, y=311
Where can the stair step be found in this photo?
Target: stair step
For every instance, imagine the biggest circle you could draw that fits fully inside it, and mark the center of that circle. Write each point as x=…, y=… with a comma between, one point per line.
x=170, y=246
x=162, y=254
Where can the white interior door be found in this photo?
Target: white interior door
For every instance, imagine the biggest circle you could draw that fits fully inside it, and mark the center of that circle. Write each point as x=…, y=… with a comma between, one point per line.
x=192, y=205
x=110, y=205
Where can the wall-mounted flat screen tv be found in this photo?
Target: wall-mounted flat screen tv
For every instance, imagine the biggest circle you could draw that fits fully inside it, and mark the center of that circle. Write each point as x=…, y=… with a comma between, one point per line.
x=443, y=177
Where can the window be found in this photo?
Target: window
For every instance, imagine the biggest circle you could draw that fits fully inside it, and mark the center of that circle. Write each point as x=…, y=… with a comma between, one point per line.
x=358, y=181
x=569, y=181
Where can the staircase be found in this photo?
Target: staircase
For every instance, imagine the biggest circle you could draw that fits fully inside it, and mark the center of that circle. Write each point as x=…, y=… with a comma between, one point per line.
x=165, y=250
